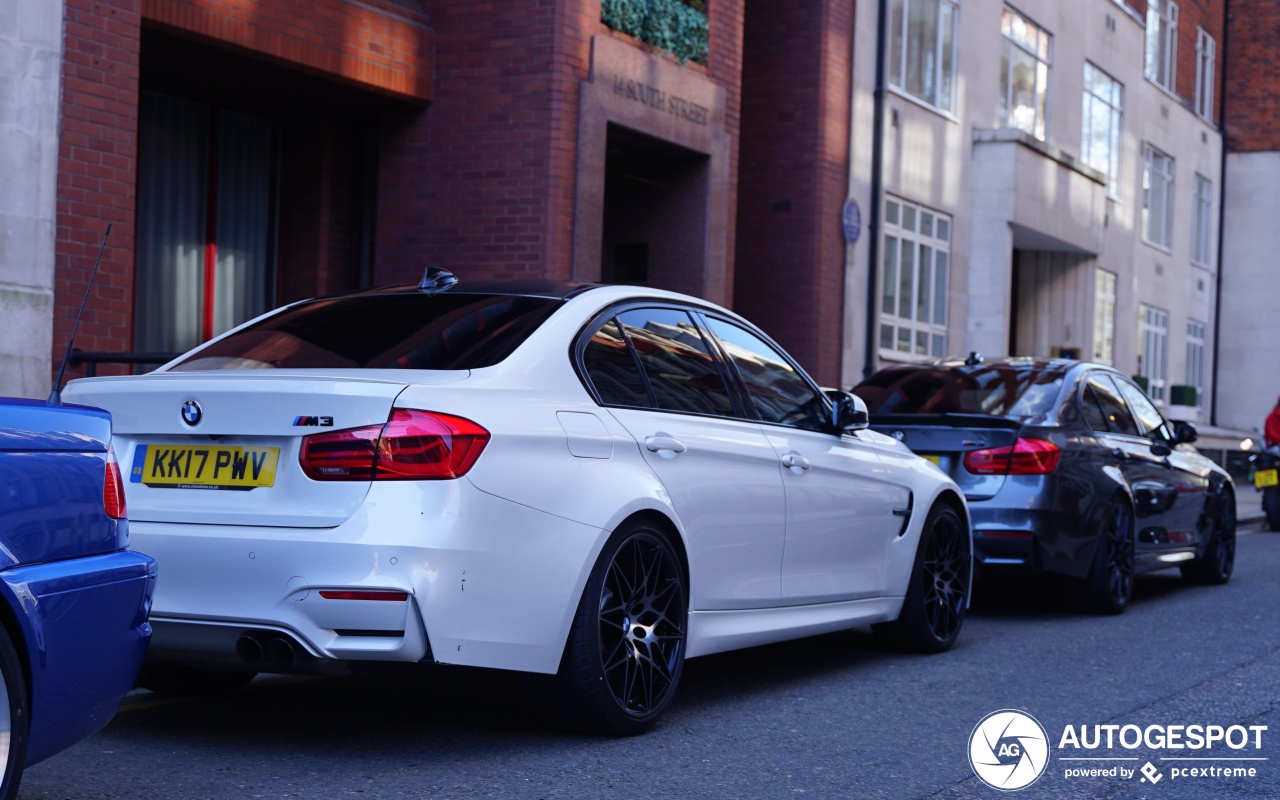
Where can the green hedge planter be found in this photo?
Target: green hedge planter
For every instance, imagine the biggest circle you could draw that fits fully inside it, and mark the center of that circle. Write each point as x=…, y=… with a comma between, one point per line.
x=670, y=25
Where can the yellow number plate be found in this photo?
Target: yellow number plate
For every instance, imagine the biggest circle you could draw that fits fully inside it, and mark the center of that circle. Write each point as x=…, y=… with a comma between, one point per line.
x=201, y=467
x=1265, y=477
x=932, y=458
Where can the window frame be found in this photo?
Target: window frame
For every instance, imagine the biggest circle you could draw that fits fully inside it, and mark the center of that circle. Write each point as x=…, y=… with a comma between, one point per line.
x=1206, y=56
x=1162, y=44
x=1104, y=317
x=1150, y=153
x=1043, y=56
x=945, y=70
x=1150, y=331
x=1104, y=381
x=611, y=312
x=915, y=327
x=1115, y=118
x=742, y=387
x=1202, y=221
x=1197, y=349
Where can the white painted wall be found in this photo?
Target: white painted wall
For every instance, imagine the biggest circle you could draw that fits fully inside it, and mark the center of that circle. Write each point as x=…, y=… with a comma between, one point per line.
x=1249, y=370
x=30, y=94
x=931, y=158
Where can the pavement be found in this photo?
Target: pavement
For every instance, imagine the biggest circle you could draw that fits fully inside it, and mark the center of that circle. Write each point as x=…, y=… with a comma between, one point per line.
x=1248, y=504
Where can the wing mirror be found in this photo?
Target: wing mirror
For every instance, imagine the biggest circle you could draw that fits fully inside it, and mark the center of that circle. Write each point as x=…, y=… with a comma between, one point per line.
x=848, y=411
x=1184, y=432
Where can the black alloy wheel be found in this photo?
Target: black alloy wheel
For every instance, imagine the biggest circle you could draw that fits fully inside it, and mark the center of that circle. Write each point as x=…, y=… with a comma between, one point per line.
x=1110, y=584
x=937, y=597
x=1216, y=562
x=626, y=650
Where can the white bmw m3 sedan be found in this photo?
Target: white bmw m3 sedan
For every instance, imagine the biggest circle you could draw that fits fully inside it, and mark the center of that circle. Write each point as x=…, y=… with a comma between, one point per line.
x=590, y=482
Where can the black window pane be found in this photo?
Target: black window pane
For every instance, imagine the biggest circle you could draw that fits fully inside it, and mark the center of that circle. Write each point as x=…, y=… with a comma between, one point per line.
x=383, y=331
x=778, y=392
x=1150, y=422
x=680, y=369
x=1092, y=410
x=612, y=369
x=1119, y=420
x=1012, y=390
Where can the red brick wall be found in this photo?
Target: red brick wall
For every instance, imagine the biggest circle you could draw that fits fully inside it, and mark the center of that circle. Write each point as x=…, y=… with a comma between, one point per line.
x=484, y=182
x=318, y=209
x=794, y=176
x=470, y=184
x=96, y=174
x=1207, y=15
x=1253, y=77
x=374, y=44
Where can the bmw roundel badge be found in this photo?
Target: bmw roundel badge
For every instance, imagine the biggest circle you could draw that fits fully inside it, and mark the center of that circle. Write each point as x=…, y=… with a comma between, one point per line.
x=191, y=412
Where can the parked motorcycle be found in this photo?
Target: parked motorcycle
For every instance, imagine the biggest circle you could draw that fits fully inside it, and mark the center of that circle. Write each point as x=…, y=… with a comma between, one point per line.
x=1266, y=478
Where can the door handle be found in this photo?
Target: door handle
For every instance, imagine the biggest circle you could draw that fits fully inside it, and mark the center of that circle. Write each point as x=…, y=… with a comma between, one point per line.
x=660, y=442
x=795, y=461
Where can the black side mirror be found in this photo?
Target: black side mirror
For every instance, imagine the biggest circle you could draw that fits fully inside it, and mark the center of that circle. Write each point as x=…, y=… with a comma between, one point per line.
x=1184, y=432
x=848, y=412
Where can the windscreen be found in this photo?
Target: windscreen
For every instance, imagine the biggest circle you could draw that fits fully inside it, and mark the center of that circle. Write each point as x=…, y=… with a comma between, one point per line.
x=999, y=390
x=382, y=331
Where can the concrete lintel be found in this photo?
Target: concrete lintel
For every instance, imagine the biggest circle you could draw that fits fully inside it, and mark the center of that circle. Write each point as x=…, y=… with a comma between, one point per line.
x=981, y=136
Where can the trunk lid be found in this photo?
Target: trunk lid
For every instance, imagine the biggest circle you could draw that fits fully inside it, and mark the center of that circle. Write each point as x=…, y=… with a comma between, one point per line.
x=946, y=438
x=237, y=464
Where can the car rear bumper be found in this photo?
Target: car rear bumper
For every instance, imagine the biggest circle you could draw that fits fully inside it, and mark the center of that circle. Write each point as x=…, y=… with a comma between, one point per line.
x=1032, y=540
x=85, y=631
x=484, y=581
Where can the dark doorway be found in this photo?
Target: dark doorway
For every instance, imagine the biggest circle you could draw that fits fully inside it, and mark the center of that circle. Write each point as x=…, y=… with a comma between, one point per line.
x=655, y=213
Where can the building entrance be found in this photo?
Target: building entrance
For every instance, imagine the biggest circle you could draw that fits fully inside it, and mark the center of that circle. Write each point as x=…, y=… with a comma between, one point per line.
x=655, y=213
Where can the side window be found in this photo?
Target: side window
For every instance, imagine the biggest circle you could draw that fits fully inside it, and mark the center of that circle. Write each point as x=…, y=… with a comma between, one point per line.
x=778, y=392
x=1118, y=418
x=612, y=369
x=1149, y=420
x=681, y=371
x=1091, y=409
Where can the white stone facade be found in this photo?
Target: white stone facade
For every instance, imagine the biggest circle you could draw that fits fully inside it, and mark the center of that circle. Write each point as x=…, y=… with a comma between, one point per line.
x=1032, y=224
x=1249, y=367
x=30, y=93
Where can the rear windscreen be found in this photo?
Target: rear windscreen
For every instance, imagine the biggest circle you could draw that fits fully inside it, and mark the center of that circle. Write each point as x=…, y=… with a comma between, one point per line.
x=1006, y=391
x=382, y=331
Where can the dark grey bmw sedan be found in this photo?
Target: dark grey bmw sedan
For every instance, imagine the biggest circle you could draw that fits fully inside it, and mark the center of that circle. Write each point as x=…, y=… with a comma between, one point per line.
x=1068, y=468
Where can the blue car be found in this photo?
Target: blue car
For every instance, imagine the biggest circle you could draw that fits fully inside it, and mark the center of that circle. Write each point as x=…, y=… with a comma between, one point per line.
x=73, y=598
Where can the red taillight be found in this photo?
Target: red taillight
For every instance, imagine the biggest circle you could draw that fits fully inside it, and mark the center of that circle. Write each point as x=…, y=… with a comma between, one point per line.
x=412, y=445
x=331, y=594
x=1024, y=457
x=113, y=489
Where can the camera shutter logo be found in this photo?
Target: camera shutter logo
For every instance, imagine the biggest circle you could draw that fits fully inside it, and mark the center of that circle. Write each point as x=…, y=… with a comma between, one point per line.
x=1008, y=750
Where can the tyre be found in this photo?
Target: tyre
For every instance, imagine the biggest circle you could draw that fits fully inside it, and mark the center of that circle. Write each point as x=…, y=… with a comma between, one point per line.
x=1271, y=507
x=14, y=717
x=183, y=681
x=1109, y=587
x=1215, y=564
x=625, y=653
x=937, y=597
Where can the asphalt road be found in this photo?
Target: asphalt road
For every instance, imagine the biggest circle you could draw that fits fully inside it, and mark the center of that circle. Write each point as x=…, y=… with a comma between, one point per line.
x=828, y=717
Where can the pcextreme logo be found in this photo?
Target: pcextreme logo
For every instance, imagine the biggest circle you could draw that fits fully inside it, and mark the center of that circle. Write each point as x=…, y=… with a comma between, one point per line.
x=1008, y=750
